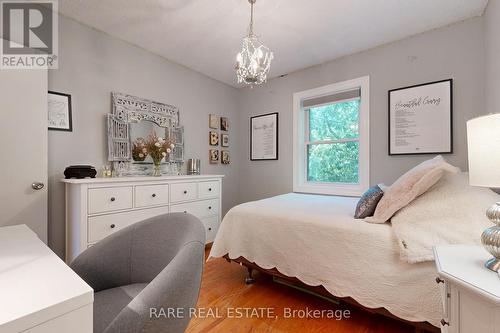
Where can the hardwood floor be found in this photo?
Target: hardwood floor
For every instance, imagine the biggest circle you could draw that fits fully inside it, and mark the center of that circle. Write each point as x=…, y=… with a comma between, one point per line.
x=223, y=289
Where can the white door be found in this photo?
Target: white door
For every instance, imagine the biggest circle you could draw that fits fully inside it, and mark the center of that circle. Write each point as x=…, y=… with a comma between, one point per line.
x=23, y=149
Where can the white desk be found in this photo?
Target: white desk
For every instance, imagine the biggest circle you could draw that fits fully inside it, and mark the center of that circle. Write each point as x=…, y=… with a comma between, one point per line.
x=39, y=293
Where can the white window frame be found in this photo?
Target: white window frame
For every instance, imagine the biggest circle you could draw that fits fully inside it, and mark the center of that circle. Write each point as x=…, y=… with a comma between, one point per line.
x=300, y=182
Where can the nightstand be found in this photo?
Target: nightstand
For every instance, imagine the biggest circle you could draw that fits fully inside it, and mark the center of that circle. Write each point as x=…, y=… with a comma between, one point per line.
x=469, y=291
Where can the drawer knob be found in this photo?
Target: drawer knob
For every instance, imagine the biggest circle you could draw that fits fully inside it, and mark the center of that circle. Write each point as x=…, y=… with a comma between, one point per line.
x=444, y=323
x=209, y=229
x=153, y=195
x=185, y=211
x=439, y=280
x=209, y=207
x=185, y=192
x=210, y=189
x=113, y=199
x=112, y=226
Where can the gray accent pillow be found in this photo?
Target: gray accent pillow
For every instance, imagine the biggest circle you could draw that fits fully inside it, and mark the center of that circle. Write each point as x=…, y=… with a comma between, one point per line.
x=368, y=202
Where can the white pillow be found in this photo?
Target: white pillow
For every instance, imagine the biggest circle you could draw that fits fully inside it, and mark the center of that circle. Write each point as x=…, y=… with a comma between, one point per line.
x=409, y=186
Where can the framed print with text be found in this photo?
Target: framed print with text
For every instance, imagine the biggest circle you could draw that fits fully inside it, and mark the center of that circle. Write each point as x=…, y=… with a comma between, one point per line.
x=59, y=112
x=420, y=119
x=264, y=137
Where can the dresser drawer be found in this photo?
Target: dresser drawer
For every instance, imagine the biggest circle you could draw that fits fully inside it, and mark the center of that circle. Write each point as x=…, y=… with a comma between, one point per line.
x=104, y=225
x=211, y=226
x=208, y=190
x=109, y=199
x=199, y=209
x=183, y=192
x=151, y=195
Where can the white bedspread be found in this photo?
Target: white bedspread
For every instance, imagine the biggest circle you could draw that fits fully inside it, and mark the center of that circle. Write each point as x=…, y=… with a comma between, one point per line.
x=451, y=212
x=316, y=239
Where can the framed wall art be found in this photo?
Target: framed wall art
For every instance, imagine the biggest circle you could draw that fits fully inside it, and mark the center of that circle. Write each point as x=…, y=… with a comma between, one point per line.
x=59, y=112
x=214, y=138
x=225, y=159
x=213, y=121
x=264, y=137
x=213, y=156
x=224, y=140
x=420, y=119
x=224, y=124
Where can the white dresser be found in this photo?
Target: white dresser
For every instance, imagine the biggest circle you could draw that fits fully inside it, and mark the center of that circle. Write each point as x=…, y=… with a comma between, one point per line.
x=39, y=293
x=470, y=292
x=95, y=208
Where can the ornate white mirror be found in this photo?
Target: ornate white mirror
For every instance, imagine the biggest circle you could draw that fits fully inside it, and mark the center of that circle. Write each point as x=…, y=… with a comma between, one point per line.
x=133, y=123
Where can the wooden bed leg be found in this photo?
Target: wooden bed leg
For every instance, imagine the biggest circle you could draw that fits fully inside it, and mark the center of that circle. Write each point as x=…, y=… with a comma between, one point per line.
x=249, y=279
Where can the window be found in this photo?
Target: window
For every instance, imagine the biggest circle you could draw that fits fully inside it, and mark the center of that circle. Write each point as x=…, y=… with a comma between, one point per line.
x=331, y=139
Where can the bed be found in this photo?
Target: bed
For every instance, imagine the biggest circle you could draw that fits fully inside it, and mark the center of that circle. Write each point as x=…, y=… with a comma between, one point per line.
x=316, y=240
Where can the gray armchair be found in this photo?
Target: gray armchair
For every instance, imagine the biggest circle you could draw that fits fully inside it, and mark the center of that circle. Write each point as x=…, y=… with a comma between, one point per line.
x=145, y=269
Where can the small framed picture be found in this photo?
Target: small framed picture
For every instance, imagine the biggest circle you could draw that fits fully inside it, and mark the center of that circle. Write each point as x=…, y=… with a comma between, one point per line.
x=213, y=121
x=225, y=157
x=224, y=124
x=264, y=137
x=59, y=112
x=225, y=140
x=214, y=138
x=214, y=156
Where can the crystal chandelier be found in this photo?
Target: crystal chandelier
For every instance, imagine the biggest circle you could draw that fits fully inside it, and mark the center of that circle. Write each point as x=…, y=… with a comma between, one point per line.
x=254, y=60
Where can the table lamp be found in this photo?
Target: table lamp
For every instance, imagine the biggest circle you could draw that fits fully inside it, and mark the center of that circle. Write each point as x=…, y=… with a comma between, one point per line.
x=483, y=140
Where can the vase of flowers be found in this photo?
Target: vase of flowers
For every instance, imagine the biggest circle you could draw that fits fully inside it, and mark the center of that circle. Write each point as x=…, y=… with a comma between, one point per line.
x=139, y=150
x=158, y=148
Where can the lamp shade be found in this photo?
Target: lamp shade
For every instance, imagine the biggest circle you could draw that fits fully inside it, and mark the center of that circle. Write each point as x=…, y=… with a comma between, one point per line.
x=483, y=140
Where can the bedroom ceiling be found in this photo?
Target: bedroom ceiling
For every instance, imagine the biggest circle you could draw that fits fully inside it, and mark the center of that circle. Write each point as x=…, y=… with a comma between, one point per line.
x=205, y=35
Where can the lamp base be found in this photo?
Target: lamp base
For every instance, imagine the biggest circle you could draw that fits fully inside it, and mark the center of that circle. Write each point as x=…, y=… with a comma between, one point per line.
x=492, y=264
x=491, y=238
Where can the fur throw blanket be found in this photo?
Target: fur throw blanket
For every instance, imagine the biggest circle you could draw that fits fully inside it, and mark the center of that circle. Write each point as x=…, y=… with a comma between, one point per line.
x=451, y=212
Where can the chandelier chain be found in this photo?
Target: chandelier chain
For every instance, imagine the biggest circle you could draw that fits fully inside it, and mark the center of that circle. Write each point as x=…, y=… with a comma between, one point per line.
x=250, y=28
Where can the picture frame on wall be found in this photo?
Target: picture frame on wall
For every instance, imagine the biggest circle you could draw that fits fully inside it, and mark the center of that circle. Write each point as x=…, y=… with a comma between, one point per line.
x=59, y=112
x=421, y=119
x=213, y=156
x=214, y=138
x=264, y=130
x=213, y=121
x=224, y=142
x=225, y=158
x=224, y=124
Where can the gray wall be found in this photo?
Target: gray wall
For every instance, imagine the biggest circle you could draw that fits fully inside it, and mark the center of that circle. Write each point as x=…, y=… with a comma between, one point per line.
x=91, y=66
x=492, y=55
x=454, y=52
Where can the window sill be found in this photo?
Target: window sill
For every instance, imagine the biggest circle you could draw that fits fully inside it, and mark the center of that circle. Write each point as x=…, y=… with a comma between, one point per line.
x=348, y=191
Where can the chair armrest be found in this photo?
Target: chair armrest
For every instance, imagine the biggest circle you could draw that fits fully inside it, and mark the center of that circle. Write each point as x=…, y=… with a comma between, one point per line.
x=106, y=264
x=176, y=287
